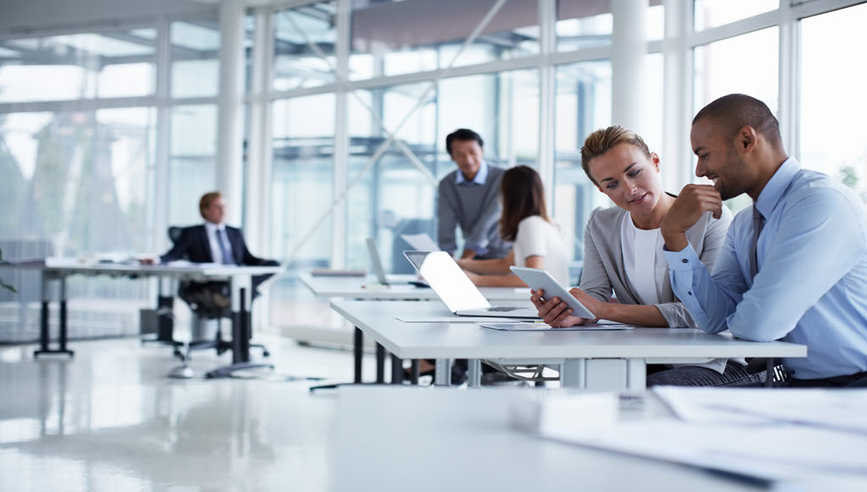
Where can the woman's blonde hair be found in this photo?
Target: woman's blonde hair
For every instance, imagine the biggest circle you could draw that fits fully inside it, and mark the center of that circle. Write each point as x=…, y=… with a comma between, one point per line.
x=601, y=141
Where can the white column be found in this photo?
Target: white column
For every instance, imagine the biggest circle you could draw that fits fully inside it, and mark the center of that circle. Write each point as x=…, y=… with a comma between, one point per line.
x=257, y=217
x=230, y=108
x=628, y=53
x=677, y=82
x=547, y=90
x=161, y=172
x=341, y=135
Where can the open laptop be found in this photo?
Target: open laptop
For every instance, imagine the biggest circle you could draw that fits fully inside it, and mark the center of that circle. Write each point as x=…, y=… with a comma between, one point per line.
x=376, y=266
x=456, y=290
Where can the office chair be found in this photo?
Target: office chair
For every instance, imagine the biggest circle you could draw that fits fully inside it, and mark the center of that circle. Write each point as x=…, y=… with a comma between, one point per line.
x=196, y=295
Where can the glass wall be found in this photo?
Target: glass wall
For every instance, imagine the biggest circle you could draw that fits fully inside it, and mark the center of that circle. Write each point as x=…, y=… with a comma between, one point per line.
x=296, y=62
x=713, y=13
x=583, y=104
x=832, y=97
x=195, y=59
x=90, y=65
x=392, y=38
x=192, y=161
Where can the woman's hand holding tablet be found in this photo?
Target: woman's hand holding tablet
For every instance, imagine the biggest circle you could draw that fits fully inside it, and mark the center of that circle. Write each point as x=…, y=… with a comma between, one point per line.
x=540, y=280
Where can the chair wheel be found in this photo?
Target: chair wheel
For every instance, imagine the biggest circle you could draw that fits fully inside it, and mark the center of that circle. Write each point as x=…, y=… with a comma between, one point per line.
x=265, y=353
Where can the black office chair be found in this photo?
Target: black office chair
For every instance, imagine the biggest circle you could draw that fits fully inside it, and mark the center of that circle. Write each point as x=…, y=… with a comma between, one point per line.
x=207, y=300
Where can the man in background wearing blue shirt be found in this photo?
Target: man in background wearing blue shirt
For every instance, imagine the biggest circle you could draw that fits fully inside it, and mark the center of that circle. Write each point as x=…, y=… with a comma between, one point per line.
x=467, y=197
x=793, y=266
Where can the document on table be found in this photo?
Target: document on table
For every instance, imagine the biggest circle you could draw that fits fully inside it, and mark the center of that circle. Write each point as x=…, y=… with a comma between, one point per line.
x=767, y=448
x=533, y=326
x=420, y=242
x=446, y=319
x=840, y=410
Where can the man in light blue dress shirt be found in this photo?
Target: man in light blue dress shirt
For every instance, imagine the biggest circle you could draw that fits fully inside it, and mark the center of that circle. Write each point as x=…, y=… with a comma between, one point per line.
x=793, y=267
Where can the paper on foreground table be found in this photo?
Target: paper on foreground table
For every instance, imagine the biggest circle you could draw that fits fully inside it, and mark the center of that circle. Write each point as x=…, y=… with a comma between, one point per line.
x=767, y=450
x=532, y=326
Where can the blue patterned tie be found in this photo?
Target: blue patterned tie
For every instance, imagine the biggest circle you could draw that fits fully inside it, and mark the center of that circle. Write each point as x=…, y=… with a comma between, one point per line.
x=227, y=258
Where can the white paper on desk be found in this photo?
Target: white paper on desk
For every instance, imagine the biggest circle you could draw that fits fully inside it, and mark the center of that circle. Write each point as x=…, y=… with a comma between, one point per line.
x=420, y=242
x=446, y=319
x=841, y=410
x=774, y=452
x=532, y=326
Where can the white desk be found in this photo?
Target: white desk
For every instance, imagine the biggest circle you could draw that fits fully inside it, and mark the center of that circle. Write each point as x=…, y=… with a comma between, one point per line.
x=239, y=278
x=368, y=288
x=421, y=439
x=607, y=360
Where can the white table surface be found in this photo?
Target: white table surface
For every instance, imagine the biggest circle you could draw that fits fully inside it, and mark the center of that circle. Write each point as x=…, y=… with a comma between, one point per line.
x=369, y=288
x=73, y=267
x=445, y=439
x=468, y=340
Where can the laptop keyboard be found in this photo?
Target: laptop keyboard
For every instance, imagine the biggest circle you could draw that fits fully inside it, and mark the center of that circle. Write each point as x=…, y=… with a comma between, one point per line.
x=502, y=309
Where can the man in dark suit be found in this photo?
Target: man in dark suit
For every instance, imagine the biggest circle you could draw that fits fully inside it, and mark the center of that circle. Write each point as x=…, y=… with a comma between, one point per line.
x=213, y=242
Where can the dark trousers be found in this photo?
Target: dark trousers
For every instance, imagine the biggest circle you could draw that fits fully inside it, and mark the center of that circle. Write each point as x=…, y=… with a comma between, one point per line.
x=211, y=299
x=734, y=375
x=858, y=380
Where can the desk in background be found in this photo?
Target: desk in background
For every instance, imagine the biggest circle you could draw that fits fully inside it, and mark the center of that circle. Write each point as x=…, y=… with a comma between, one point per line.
x=597, y=360
x=239, y=278
x=368, y=288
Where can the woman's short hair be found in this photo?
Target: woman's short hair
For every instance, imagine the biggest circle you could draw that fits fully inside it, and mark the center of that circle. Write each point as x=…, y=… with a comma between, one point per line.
x=206, y=201
x=601, y=141
x=523, y=196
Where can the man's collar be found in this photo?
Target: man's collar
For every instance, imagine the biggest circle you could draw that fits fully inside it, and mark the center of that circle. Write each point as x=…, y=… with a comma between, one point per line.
x=214, y=227
x=776, y=186
x=479, y=179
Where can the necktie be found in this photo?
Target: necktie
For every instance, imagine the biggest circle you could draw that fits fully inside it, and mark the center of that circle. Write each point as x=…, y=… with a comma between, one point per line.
x=758, y=223
x=224, y=250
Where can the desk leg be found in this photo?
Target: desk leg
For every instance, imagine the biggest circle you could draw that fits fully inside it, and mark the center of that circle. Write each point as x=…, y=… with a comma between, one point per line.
x=358, y=349
x=396, y=370
x=380, y=364
x=43, y=318
x=636, y=374
x=573, y=374
x=474, y=373
x=414, y=372
x=443, y=372
x=44, y=321
x=241, y=324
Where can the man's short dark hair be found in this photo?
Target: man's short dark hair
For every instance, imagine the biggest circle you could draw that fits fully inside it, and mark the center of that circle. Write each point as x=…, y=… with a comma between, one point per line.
x=734, y=111
x=462, y=134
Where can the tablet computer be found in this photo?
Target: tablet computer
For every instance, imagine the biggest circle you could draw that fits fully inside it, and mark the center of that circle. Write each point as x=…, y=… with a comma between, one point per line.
x=540, y=279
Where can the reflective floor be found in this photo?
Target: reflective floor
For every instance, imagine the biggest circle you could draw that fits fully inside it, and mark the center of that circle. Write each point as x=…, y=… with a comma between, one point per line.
x=110, y=419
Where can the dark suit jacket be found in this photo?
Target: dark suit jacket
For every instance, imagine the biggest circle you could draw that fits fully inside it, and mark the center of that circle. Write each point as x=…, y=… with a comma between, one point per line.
x=193, y=245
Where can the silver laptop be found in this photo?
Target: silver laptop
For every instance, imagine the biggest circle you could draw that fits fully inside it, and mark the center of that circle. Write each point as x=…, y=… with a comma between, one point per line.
x=456, y=290
x=376, y=266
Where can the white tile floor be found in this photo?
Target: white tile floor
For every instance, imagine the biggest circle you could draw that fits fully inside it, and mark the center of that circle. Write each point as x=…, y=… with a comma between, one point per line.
x=109, y=419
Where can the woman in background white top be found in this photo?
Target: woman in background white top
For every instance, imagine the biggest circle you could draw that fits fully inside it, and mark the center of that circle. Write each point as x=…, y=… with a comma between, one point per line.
x=537, y=242
x=623, y=254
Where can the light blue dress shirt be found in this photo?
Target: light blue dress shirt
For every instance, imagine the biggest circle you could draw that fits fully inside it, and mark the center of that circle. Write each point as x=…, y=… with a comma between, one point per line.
x=478, y=180
x=811, y=286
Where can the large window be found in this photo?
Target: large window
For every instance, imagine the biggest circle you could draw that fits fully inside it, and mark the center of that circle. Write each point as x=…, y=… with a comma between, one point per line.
x=78, y=66
x=195, y=59
x=833, y=100
x=713, y=13
x=583, y=105
x=297, y=64
x=192, y=161
x=392, y=38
